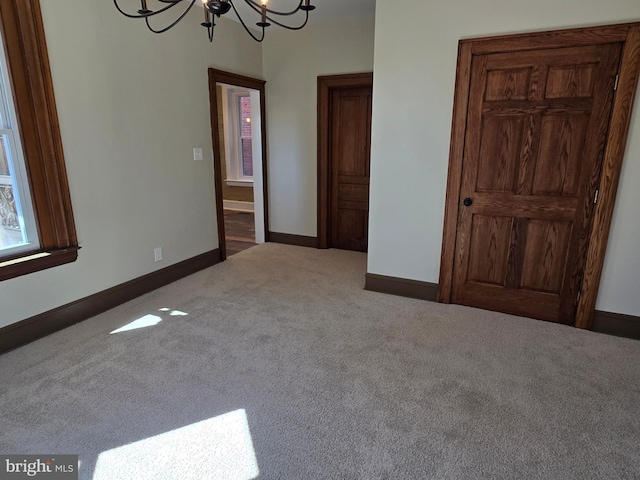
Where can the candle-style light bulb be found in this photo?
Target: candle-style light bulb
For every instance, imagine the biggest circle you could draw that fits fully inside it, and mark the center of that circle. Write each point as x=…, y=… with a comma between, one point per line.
x=207, y=14
x=264, y=22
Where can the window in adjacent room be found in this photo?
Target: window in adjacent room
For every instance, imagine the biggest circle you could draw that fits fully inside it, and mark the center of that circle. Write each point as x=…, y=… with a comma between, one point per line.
x=238, y=138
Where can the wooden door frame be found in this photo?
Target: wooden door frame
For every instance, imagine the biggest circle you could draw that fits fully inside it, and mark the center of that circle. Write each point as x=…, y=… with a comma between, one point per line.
x=220, y=76
x=326, y=84
x=629, y=35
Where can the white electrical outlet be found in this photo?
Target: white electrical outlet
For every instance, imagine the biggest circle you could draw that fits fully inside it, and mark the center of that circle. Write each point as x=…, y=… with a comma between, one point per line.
x=198, y=154
x=157, y=253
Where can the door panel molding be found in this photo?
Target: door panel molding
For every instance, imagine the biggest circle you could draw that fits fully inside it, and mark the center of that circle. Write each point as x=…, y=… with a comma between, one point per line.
x=629, y=35
x=326, y=84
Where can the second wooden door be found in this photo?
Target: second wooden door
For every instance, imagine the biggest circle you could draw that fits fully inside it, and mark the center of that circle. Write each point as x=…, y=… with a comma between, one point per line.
x=350, y=120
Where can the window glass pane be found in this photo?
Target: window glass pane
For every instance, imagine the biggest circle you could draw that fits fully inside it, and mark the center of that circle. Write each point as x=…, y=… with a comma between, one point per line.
x=12, y=229
x=245, y=115
x=247, y=157
x=5, y=121
x=18, y=231
x=4, y=161
x=245, y=137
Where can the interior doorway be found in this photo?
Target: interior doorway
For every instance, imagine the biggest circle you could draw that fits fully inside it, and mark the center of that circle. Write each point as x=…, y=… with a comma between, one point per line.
x=344, y=147
x=238, y=134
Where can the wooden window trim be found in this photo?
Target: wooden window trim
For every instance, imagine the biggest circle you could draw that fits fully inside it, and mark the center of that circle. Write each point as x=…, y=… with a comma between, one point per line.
x=32, y=85
x=629, y=34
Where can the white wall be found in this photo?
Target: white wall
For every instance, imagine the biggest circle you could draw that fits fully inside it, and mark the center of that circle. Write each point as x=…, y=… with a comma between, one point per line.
x=292, y=63
x=256, y=156
x=132, y=105
x=415, y=63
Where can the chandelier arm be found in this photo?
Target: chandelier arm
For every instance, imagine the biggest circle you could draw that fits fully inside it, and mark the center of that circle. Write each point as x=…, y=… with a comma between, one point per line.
x=146, y=15
x=275, y=12
x=306, y=20
x=257, y=10
x=248, y=30
x=174, y=23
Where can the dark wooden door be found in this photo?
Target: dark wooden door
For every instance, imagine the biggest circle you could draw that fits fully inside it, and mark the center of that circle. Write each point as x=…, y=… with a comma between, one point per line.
x=537, y=125
x=350, y=120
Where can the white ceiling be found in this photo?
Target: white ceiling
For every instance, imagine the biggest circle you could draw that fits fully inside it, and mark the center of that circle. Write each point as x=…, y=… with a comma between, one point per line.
x=325, y=10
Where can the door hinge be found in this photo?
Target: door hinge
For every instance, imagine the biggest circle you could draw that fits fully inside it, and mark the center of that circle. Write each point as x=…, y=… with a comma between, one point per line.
x=595, y=198
x=615, y=87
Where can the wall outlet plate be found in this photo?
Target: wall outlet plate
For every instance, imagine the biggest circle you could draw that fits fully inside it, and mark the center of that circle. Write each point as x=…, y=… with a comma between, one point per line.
x=198, y=154
x=157, y=254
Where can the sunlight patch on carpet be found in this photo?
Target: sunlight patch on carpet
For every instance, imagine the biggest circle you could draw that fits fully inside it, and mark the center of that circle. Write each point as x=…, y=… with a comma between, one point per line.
x=217, y=448
x=142, y=322
x=149, y=320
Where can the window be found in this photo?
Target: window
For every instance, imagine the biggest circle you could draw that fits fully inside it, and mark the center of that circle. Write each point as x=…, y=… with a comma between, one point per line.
x=238, y=138
x=36, y=220
x=246, y=147
x=18, y=231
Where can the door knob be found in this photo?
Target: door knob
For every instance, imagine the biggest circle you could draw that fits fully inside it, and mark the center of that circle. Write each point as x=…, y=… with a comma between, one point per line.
x=467, y=202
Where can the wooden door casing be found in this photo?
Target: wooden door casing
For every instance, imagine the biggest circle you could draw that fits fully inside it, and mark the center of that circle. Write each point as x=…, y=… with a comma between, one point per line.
x=220, y=76
x=350, y=120
x=533, y=232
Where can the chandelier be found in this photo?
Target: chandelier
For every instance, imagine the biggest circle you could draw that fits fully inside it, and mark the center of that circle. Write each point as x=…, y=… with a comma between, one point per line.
x=213, y=9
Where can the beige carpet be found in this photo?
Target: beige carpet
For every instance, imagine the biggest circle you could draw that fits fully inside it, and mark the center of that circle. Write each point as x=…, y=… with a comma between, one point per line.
x=277, y=364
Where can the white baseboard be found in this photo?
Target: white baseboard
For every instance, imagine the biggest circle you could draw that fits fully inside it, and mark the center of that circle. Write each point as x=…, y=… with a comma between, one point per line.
x=238, y=206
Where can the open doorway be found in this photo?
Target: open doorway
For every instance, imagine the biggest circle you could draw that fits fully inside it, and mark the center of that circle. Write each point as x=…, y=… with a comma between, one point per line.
x=237, y=113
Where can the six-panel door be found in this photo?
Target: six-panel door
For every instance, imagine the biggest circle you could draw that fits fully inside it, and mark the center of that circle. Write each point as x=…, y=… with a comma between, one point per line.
x=536, y=129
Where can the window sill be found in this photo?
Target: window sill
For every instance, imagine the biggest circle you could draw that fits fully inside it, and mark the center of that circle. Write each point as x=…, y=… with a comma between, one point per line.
x=239, y=183
x=37, y=261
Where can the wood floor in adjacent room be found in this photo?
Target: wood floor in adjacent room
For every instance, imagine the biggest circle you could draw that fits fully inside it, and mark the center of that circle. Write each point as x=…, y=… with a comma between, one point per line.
x=240, y=232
